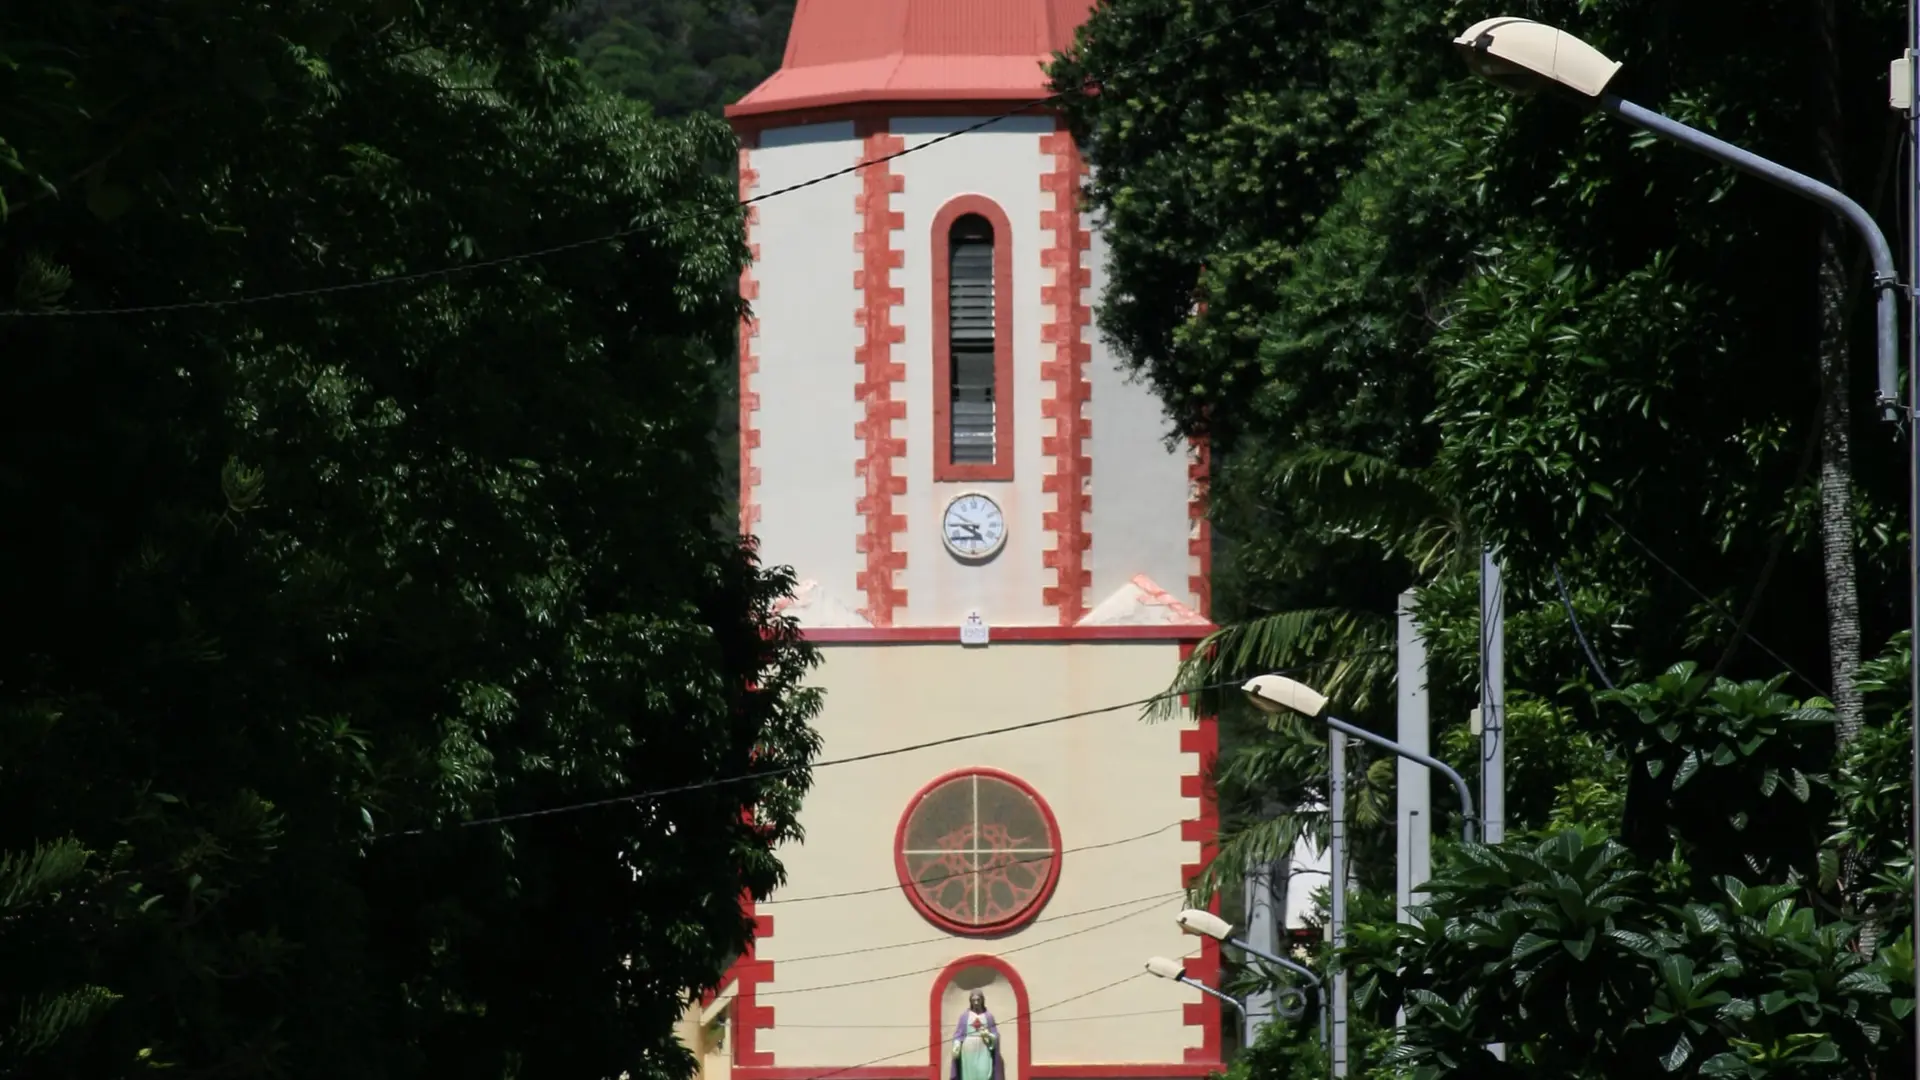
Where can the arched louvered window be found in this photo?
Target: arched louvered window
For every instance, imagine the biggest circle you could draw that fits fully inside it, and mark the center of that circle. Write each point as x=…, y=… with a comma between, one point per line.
x=973, y=343
x=970, y=334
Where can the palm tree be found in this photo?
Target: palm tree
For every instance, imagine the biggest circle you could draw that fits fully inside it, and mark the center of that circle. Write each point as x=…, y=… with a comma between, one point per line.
x=1271, y=770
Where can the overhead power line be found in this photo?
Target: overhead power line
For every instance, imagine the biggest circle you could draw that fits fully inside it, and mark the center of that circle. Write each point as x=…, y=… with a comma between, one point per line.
x=936, y=879
x=770, y=774
x=417, y=276
x=947, y=939
x=1175, y=1011
x=1102, y=925
x=926, y=1047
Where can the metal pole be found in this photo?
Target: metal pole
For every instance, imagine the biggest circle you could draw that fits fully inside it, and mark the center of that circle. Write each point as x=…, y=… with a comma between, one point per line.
x=1493, y=712
x=1413, y=788
x=1886, y=280
x=1337, y=850
x=1493, y=700
x=1459, y=784
x=1205, y=989
x=1913, y=455
x=1299, y=969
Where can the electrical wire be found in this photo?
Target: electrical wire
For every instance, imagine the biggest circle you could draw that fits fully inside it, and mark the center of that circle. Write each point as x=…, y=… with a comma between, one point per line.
x=769, y=774
x=621, y=234
x=931, y=1047
x=1566, y=601
x=895, y=885
x=784, y=1025
x=783, y=961
x=1716, y=606
x=1115, y=921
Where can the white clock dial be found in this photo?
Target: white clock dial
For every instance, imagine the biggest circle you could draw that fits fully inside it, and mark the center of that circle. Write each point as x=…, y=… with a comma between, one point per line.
x=973, y=526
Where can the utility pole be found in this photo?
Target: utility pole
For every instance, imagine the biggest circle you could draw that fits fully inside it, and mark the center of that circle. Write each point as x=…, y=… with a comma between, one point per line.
x=1493, y=709
x=1413, y=788
x=1337, y=852
x=1493, y=700
x=1908, y=80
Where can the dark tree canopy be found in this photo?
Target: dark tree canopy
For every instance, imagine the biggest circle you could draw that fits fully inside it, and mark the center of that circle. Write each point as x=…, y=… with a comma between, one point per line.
x=308, y=589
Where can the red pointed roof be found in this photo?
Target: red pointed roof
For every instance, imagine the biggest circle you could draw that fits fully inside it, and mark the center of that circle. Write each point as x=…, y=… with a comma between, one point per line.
x=845, y=52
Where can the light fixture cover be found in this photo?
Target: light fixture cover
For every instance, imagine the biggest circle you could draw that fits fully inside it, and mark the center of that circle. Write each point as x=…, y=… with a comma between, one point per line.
x=1164, y=968
x=1523, y=54
x=1204, y=924
x=1274, y=693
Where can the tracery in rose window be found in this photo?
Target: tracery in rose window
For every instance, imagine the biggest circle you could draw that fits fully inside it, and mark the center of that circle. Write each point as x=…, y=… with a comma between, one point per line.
x=979, y=851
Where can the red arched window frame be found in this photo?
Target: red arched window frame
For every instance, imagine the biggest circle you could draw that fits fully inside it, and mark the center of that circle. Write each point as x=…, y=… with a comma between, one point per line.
x=944, y=467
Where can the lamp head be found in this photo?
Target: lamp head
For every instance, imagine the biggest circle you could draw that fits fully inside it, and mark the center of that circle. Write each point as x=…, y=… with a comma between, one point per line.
x=1277, y=693
x=1163, y=968
x=1204, y=924
x=1525, y=57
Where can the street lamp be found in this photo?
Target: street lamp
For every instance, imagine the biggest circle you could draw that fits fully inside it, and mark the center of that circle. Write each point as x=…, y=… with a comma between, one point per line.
x=1277, y=694
x=1207, y=924
x=1526, y=56
x=1163, y=968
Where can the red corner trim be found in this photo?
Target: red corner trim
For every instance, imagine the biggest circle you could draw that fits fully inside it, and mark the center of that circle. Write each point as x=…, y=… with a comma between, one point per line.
x=1072, y=468
x=1199, y=527
x=747, y=973
x=938, y=1054
x=881, y=450
x=944, y=467
x=1202, y=741
x=749, y=362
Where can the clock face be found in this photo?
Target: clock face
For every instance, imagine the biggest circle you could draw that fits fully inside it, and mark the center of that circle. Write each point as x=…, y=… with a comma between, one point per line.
x=973, y=527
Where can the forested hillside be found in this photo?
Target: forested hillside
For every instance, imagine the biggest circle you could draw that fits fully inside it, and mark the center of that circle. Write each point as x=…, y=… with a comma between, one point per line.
x=679, y=56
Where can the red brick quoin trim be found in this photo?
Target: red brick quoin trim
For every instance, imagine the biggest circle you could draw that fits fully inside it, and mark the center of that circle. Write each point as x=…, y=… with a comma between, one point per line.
x=1199, y=527
x=1202, y=741
x=749, y=363
x=881, y=452
x=943, y=465
x=1067, y=371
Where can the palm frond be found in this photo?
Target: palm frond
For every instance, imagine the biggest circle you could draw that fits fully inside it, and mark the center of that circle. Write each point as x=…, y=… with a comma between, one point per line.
x=1347, y=645
x=1257, y=844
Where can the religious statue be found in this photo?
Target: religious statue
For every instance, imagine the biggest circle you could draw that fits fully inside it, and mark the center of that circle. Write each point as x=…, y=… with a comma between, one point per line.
x=976, y=1043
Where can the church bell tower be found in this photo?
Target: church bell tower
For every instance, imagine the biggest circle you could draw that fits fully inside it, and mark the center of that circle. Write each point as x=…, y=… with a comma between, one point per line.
x=989, y=528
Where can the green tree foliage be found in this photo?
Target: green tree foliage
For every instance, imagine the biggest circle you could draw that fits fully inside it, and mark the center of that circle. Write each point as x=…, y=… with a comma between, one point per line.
x=1417, y=316
x=679, y=56
x=306, y=590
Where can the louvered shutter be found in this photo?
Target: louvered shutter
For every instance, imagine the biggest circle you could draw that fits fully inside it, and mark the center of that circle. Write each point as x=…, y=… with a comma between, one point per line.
x=970, y=337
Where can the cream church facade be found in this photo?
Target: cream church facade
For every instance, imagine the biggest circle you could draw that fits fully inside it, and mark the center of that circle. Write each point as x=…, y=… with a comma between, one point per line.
x=989, y=528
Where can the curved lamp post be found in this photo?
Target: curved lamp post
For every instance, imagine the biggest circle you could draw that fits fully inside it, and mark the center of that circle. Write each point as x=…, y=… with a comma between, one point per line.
x=1277, y=694
x=1526, y=56
x=1163, y=968
x=1206, y=924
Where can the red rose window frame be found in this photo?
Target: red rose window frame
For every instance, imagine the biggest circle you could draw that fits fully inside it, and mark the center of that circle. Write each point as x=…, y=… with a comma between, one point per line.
x=978, y=852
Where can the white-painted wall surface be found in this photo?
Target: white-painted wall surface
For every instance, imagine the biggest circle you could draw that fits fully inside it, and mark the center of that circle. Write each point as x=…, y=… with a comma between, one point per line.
x=1004, y=164
x=807, y=376
x=1107, y=778
x=808, y=491
x=1140, y=486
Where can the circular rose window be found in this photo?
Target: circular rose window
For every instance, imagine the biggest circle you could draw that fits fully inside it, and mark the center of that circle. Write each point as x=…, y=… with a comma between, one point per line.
x=978, y=852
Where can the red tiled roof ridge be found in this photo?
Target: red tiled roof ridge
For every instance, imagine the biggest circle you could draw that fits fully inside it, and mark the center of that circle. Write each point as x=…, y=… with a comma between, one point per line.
x=850, y=51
